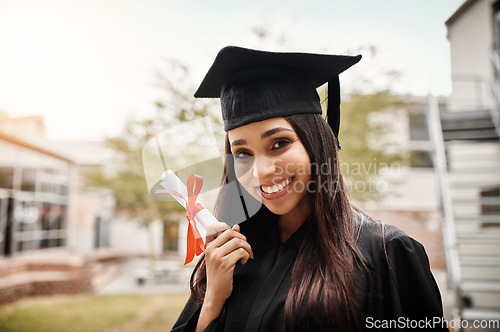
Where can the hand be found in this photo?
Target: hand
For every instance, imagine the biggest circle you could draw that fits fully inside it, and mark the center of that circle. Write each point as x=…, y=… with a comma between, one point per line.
x=224, y=248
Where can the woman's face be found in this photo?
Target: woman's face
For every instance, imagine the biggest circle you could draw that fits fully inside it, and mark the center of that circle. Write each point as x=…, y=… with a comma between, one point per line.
x=272, y=164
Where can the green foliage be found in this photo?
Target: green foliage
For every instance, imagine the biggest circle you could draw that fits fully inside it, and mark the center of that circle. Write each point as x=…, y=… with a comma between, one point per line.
x=370, y=116
x=126, y=178
x=368, y=121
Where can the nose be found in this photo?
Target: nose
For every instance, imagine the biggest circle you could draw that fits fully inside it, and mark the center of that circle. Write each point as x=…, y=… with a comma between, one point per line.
x=263, y=166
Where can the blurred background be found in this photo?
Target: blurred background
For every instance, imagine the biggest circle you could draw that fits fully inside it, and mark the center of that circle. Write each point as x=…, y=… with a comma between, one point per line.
x=84, y=85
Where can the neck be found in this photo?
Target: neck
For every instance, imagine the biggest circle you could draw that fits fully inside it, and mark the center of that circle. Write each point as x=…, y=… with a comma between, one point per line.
x=289, y=223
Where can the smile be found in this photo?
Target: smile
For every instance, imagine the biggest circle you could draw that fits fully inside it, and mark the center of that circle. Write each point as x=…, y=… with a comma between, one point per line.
x=277, y=187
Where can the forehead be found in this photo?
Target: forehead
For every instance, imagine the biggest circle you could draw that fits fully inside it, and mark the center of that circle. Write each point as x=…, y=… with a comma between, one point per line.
x=258, y=128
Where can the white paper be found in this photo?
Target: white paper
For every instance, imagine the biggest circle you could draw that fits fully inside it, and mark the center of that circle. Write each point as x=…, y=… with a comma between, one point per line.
x=171, y=182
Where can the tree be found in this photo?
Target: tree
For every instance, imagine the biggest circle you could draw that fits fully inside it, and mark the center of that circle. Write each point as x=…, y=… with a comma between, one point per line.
x=368, y=150
x=370, y=115
x=126, y=178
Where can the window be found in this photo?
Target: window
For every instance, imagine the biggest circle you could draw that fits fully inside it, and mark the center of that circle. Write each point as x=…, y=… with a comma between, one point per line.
x=171, y=236
x=418, y=127
x=28, y=179
x=6, y=177
x=4, y=200
x=33, y=200
x=26, y=215
x=419, y=156
x=490, y=202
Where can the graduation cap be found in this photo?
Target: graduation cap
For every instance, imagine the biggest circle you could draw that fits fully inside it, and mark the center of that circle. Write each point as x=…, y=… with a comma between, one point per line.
x=256, y=85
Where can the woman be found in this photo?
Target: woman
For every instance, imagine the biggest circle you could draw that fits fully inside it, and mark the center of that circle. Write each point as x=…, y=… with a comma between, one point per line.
x=307, y=260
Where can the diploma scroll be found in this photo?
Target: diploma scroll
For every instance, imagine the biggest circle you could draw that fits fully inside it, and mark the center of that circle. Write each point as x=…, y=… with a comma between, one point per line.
x=197, y=214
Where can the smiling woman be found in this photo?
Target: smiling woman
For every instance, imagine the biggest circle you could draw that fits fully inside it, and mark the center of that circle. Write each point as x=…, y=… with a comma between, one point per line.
x=268, y=157
x=307, y=260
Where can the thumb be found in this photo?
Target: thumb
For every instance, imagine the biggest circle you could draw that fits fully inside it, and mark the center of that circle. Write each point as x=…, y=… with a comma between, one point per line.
x=236, y=228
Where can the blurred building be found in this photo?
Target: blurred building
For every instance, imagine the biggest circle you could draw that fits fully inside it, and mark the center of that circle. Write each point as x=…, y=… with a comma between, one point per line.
x=49, y=226
x=473, y=34
x=35, y=185
x=467, y=153
x=409, y=189
x=27, y=126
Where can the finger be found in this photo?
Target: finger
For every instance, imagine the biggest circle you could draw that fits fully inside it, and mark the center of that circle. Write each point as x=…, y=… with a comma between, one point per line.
x=233, y=245
x=213, y=230
x=226, y=236
x=236, y=255
x=236, y=228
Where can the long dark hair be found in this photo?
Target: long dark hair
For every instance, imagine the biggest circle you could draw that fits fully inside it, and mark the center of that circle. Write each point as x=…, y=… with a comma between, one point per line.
x=322, y=285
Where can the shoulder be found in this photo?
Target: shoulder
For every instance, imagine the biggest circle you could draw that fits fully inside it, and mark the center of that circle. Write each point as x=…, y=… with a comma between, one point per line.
x=399, y=281
x=376, y=240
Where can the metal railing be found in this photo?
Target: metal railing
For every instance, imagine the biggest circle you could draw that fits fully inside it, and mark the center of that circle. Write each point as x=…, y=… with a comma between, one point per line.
x=471, y=92
x=449, y=232
x=495, y=87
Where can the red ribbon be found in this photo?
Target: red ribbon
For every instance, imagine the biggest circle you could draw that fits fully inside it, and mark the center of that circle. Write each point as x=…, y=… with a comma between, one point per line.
x=195, y=244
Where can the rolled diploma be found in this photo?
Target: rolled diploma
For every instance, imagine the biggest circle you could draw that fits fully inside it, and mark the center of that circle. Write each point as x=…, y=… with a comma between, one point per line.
x=171, y=182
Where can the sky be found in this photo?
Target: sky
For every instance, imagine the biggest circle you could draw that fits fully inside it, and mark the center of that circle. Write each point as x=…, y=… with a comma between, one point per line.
x=87, y=66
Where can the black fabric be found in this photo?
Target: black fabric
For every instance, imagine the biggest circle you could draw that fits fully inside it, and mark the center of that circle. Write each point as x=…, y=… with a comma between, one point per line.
x=257, y=85
x=333, y=116
x=399, y=285
x=257, y=94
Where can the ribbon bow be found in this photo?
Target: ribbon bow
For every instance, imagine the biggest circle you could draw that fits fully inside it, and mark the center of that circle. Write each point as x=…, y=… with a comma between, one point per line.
x=195, y=244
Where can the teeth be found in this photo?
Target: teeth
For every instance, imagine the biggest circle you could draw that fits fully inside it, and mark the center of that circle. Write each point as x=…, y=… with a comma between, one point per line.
x=276, y=187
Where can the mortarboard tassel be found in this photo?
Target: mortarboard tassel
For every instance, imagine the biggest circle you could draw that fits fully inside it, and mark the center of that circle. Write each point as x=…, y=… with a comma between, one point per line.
x=333, y=107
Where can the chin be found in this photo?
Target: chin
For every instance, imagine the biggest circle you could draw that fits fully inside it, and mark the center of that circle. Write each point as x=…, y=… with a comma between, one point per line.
x=278, y=210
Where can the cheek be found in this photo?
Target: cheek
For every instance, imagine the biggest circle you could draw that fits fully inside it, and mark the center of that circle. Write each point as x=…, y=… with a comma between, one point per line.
x=242, y=168
x=297, y=163
x=248, y=184
x=243, y=179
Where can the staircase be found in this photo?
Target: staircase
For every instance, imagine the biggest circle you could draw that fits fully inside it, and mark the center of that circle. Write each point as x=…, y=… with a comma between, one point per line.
x=467, y=163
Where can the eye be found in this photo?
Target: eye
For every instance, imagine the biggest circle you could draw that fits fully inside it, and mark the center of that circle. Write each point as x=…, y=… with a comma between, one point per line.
x=240, y=155
x=281, y=143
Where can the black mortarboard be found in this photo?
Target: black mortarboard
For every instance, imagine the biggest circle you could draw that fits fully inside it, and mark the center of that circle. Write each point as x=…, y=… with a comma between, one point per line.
x=257, y=85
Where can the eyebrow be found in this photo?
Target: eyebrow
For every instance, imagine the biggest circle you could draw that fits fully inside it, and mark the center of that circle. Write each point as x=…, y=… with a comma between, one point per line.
x=268, y=133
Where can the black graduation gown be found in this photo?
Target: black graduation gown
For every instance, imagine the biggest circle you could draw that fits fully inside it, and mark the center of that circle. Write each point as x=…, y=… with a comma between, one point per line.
x=399, y=288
